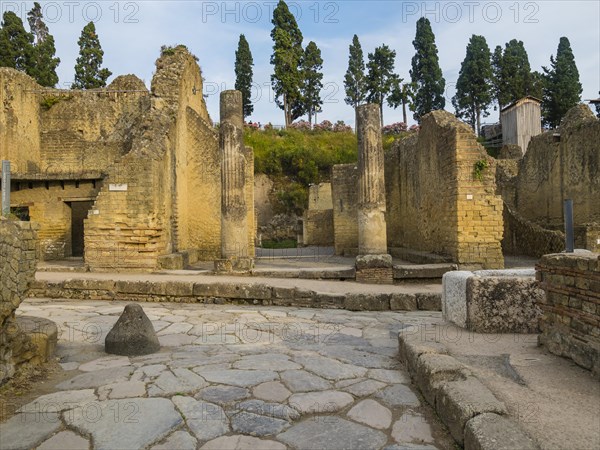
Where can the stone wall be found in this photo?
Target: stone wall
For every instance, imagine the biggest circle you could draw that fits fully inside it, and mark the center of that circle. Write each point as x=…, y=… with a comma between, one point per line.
x=318, y=218
x=344, y=193
x=522, y=237
x=570, y=324
x=554, y=170
x=436, y=202
x=18, y=256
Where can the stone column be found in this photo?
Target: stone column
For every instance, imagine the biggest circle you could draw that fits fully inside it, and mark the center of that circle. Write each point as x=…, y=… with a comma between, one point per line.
x=373, y=264
x=234, y=224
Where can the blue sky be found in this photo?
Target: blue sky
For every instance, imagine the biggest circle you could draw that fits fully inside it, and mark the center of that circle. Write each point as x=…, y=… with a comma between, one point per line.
x=132, y=32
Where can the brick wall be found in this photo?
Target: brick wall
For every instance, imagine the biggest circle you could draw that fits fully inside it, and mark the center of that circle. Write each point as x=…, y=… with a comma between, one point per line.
x=18, y=256
x=570, y=324
x=436, y=202
x=344, y=193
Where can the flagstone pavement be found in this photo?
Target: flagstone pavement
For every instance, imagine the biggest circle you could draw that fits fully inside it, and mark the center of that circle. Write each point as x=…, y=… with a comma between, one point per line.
x=229, y=377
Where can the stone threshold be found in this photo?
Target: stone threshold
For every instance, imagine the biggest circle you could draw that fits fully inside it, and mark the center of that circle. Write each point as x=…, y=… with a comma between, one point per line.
x=232, y=292
x=476, y=419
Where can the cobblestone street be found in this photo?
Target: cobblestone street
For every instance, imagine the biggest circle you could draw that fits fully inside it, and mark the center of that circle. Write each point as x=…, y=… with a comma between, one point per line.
x=229, y=377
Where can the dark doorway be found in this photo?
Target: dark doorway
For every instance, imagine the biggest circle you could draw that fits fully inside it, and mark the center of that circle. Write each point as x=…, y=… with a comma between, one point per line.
x=79, y=211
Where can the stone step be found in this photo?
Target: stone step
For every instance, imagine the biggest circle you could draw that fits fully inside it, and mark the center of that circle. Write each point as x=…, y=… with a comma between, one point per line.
x=408, y=272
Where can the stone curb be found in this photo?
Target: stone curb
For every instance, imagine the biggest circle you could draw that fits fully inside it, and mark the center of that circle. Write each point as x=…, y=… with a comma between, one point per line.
x=475, y=418
x=230, y=293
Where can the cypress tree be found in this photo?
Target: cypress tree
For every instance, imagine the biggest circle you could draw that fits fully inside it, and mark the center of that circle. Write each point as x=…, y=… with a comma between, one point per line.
x=563, y=89
x=286, y=58
x=243, y=74
x=355, y=81
x=88, y=74
x=44, y=50
x=473, y=88
x=16, y=44
x=311, y=66
x=381, y=77
x=426, y=75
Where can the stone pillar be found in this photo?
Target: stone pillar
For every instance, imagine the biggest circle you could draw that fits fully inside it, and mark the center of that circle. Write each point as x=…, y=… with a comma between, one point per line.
x=373, y=264
x=234, y=223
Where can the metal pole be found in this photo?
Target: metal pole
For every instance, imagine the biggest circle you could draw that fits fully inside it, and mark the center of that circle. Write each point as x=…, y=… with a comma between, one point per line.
x=569, y=234
x=5, y=188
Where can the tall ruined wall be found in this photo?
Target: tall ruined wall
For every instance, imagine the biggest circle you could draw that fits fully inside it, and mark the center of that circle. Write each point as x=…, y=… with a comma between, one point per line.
x=435, y=200
x=19, y=120
x=18, y=256
x=344, y=193
x=552, y=171
x=148, y=205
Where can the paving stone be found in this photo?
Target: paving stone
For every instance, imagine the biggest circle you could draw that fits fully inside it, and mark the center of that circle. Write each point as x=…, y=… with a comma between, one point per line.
x=180, y=440
x=59, y=401
x=69, y=366
x=302, y=381
x=176, y=381
x=257, y=425
x=365, y=388
x=277, y=410
x=412, y=427
x=241, y=442
x=398, y=395
x=273, y=391
x=176, y=340
x=490, y=431
x=223, y=394
x=389, y=376
x=410, y=447
x=332, y=432
x=130, y=423
x=345, y=383
x=152, y=371
x=206, y=420
x=65, y=440
x=125, y=389
x=359, y=358
x=320, y=402
x=241, y=378
x=105, y=363
x=269, y=361
x=96, y=378
x=330, y=368
x=26, y=431
x=175, y=328
x=371, y=413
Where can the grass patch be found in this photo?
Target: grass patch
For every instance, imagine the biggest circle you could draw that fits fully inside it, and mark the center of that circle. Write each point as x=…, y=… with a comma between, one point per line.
x=287, y=243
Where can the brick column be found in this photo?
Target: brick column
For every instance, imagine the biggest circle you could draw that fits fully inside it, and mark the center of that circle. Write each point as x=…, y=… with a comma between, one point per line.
x=234, y=223
x=373, y=263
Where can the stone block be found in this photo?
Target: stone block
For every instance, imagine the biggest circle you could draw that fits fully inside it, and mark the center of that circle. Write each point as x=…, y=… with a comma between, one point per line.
x=454, y=295
x=133, y=334
x=489, y=431
x=373, y=261
x=367, y=302
x=457, y=402
x=432, y=369
x=429, y=302
x=403, y=302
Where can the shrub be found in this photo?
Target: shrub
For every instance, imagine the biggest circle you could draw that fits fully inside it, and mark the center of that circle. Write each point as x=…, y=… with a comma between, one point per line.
x=394, y=128
x=341, y=127
x=325, y=125
x=300, y=125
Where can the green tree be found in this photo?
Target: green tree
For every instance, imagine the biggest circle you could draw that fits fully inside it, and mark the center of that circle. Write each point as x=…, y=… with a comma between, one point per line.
x=562, y=89
x=312, y=77
x=512, y=74
x=496, y=62
x=380, y=77
x=473, y=87
x=286, y=58
x=426, y=75
x=44, y=50
x=243, y=74
x=88, y=74
x=16, y=44
x=355, y=81
x=400, y=96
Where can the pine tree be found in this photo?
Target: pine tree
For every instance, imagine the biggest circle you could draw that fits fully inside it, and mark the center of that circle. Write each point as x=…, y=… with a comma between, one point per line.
x=286, y=58
x=400, y=95
x=380, y=77
x=513, y=76
x=497, y=74
x=311, y=67
x=473, y=88
x=426, y=75
x=563, y=89
x=355, y=81
x=88, y=74
x=16, y=44
x=243, y=74
x=45, y=63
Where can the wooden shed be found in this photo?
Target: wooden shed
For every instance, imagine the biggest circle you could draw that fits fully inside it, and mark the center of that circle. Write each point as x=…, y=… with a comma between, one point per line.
x=521, y=120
